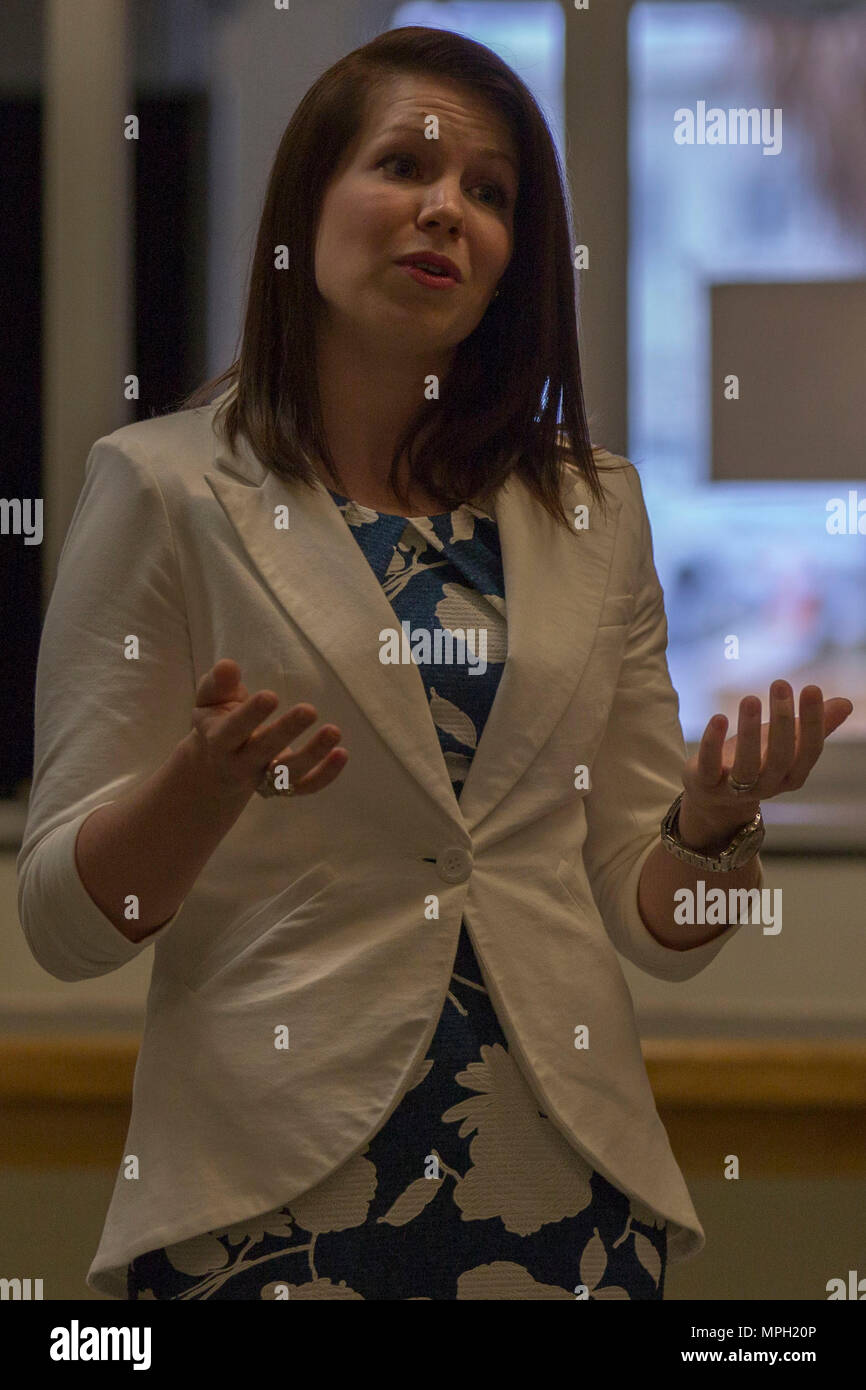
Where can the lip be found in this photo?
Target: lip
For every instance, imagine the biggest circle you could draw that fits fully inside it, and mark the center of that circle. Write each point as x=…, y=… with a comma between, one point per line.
x=441, y=262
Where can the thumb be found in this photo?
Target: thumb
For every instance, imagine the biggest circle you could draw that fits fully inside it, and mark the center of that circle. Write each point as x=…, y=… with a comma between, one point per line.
x=221, y=683
x=836, y=711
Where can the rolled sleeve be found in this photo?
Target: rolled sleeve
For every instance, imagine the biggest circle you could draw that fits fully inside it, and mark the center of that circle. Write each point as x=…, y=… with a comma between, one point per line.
x=78, y=941
x=643, y=950
x=103, y=722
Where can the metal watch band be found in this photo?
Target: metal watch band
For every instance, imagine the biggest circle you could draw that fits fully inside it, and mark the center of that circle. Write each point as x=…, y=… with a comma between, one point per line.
x=749, y=837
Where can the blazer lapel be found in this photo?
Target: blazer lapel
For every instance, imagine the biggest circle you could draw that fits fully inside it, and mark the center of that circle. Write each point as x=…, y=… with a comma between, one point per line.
x=555, y=582
x=554, y=586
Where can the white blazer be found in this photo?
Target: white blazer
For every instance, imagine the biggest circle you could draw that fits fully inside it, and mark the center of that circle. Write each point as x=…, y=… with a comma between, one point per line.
x=315, y=913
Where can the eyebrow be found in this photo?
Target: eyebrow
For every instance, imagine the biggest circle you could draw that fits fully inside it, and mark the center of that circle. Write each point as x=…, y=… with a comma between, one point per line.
x=488, y=150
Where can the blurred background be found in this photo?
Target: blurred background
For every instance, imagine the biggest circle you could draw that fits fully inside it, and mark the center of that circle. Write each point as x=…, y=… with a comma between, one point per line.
x=722, y=301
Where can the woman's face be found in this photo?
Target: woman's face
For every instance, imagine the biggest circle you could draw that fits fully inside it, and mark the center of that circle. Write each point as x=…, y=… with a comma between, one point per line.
x=398, y=192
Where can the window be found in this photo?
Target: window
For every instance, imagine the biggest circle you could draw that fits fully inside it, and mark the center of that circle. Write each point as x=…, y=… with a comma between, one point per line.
x=529, y=37
x=750, y=556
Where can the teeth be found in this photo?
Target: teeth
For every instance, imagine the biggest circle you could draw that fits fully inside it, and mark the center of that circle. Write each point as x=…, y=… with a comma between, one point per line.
x=432, y=269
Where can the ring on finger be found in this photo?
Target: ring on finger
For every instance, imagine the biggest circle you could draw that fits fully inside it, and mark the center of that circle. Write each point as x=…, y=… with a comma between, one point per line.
x=740, y=787
x=267, y=785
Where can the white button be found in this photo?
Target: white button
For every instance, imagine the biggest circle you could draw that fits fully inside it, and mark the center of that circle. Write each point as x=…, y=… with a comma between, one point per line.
x=454, y=865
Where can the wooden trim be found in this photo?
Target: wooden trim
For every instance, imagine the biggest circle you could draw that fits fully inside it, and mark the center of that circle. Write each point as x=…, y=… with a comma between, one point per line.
x=785, y=1109
x=702, y=1073
x=711, y=1074
x=67, y=1068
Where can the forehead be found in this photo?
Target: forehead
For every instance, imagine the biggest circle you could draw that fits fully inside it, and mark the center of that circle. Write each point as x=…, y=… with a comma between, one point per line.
x=406, y=100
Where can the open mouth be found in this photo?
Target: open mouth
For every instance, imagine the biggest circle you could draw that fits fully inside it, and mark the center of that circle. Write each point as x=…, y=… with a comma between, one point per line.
x=427, y=275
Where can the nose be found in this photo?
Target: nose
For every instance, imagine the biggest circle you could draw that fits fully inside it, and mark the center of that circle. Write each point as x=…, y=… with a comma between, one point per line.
x=442, y=208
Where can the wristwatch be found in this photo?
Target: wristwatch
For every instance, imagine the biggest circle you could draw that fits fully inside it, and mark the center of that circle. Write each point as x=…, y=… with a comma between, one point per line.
x=743, y=847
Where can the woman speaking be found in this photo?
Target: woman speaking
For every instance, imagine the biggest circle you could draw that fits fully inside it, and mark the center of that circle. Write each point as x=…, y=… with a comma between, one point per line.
x=389, y=1051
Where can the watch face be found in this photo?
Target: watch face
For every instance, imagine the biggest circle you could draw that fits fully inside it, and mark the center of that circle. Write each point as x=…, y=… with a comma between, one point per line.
x=747, y=850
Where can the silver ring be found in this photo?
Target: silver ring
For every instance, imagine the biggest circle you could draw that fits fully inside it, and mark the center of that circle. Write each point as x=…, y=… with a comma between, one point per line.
x=741, y=786
x=266, y=786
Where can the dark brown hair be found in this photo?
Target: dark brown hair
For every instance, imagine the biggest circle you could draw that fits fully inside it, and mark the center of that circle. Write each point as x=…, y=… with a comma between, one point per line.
x=510, y=379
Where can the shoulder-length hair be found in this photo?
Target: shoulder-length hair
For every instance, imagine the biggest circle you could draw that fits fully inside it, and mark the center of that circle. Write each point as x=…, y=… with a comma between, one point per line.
x=511, y=379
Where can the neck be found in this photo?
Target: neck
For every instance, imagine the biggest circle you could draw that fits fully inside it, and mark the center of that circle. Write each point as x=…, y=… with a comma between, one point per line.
x=367, y=402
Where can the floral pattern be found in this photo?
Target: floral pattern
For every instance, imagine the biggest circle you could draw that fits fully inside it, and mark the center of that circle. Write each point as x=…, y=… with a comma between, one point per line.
x=468, y=1191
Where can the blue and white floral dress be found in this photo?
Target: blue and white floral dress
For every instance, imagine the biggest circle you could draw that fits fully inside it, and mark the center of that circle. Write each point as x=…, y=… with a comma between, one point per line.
x=468, y=1191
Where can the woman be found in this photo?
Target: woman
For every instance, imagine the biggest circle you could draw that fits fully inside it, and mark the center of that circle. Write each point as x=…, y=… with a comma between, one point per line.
x=389, y=1051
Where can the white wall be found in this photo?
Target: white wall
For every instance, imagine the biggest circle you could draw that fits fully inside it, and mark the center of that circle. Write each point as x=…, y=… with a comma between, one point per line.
x=261, y=62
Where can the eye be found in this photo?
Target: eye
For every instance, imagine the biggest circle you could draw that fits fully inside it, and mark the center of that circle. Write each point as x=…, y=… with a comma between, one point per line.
x=409, y=157
x=500, y=195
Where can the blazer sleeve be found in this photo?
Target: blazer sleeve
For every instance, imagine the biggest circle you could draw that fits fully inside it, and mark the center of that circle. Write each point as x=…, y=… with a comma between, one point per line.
x=637, y=773
x=103, y=721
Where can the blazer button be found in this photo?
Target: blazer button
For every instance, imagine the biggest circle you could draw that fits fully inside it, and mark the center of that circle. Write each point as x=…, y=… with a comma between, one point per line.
x=454, y=865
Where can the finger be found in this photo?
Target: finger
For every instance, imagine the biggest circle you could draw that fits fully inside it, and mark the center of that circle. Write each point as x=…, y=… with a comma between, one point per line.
x=746, y=766
x=781, y=740
x=230, y=733
x=269, y=747
x=709, y=768
x=238, y=727
x=810, y=737
x=323, y=773
x=835, y=712
x=221, y=684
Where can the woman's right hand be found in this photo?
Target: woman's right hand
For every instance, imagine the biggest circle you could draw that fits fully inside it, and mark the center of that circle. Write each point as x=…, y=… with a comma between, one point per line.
x=235, y=748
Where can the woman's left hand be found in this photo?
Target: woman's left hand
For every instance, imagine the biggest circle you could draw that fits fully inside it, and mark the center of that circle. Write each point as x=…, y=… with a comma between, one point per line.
x=776, y=757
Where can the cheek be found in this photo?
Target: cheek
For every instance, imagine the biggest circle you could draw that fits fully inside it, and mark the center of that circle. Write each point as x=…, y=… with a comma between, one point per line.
x=493, y=240
x=340, y=227
x=362, y=229
x=383, y=219
x=504, y=248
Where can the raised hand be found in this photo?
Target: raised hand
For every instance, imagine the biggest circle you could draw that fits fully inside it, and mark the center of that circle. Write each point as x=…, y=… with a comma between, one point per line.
x=235, y=748
x=768, y=759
